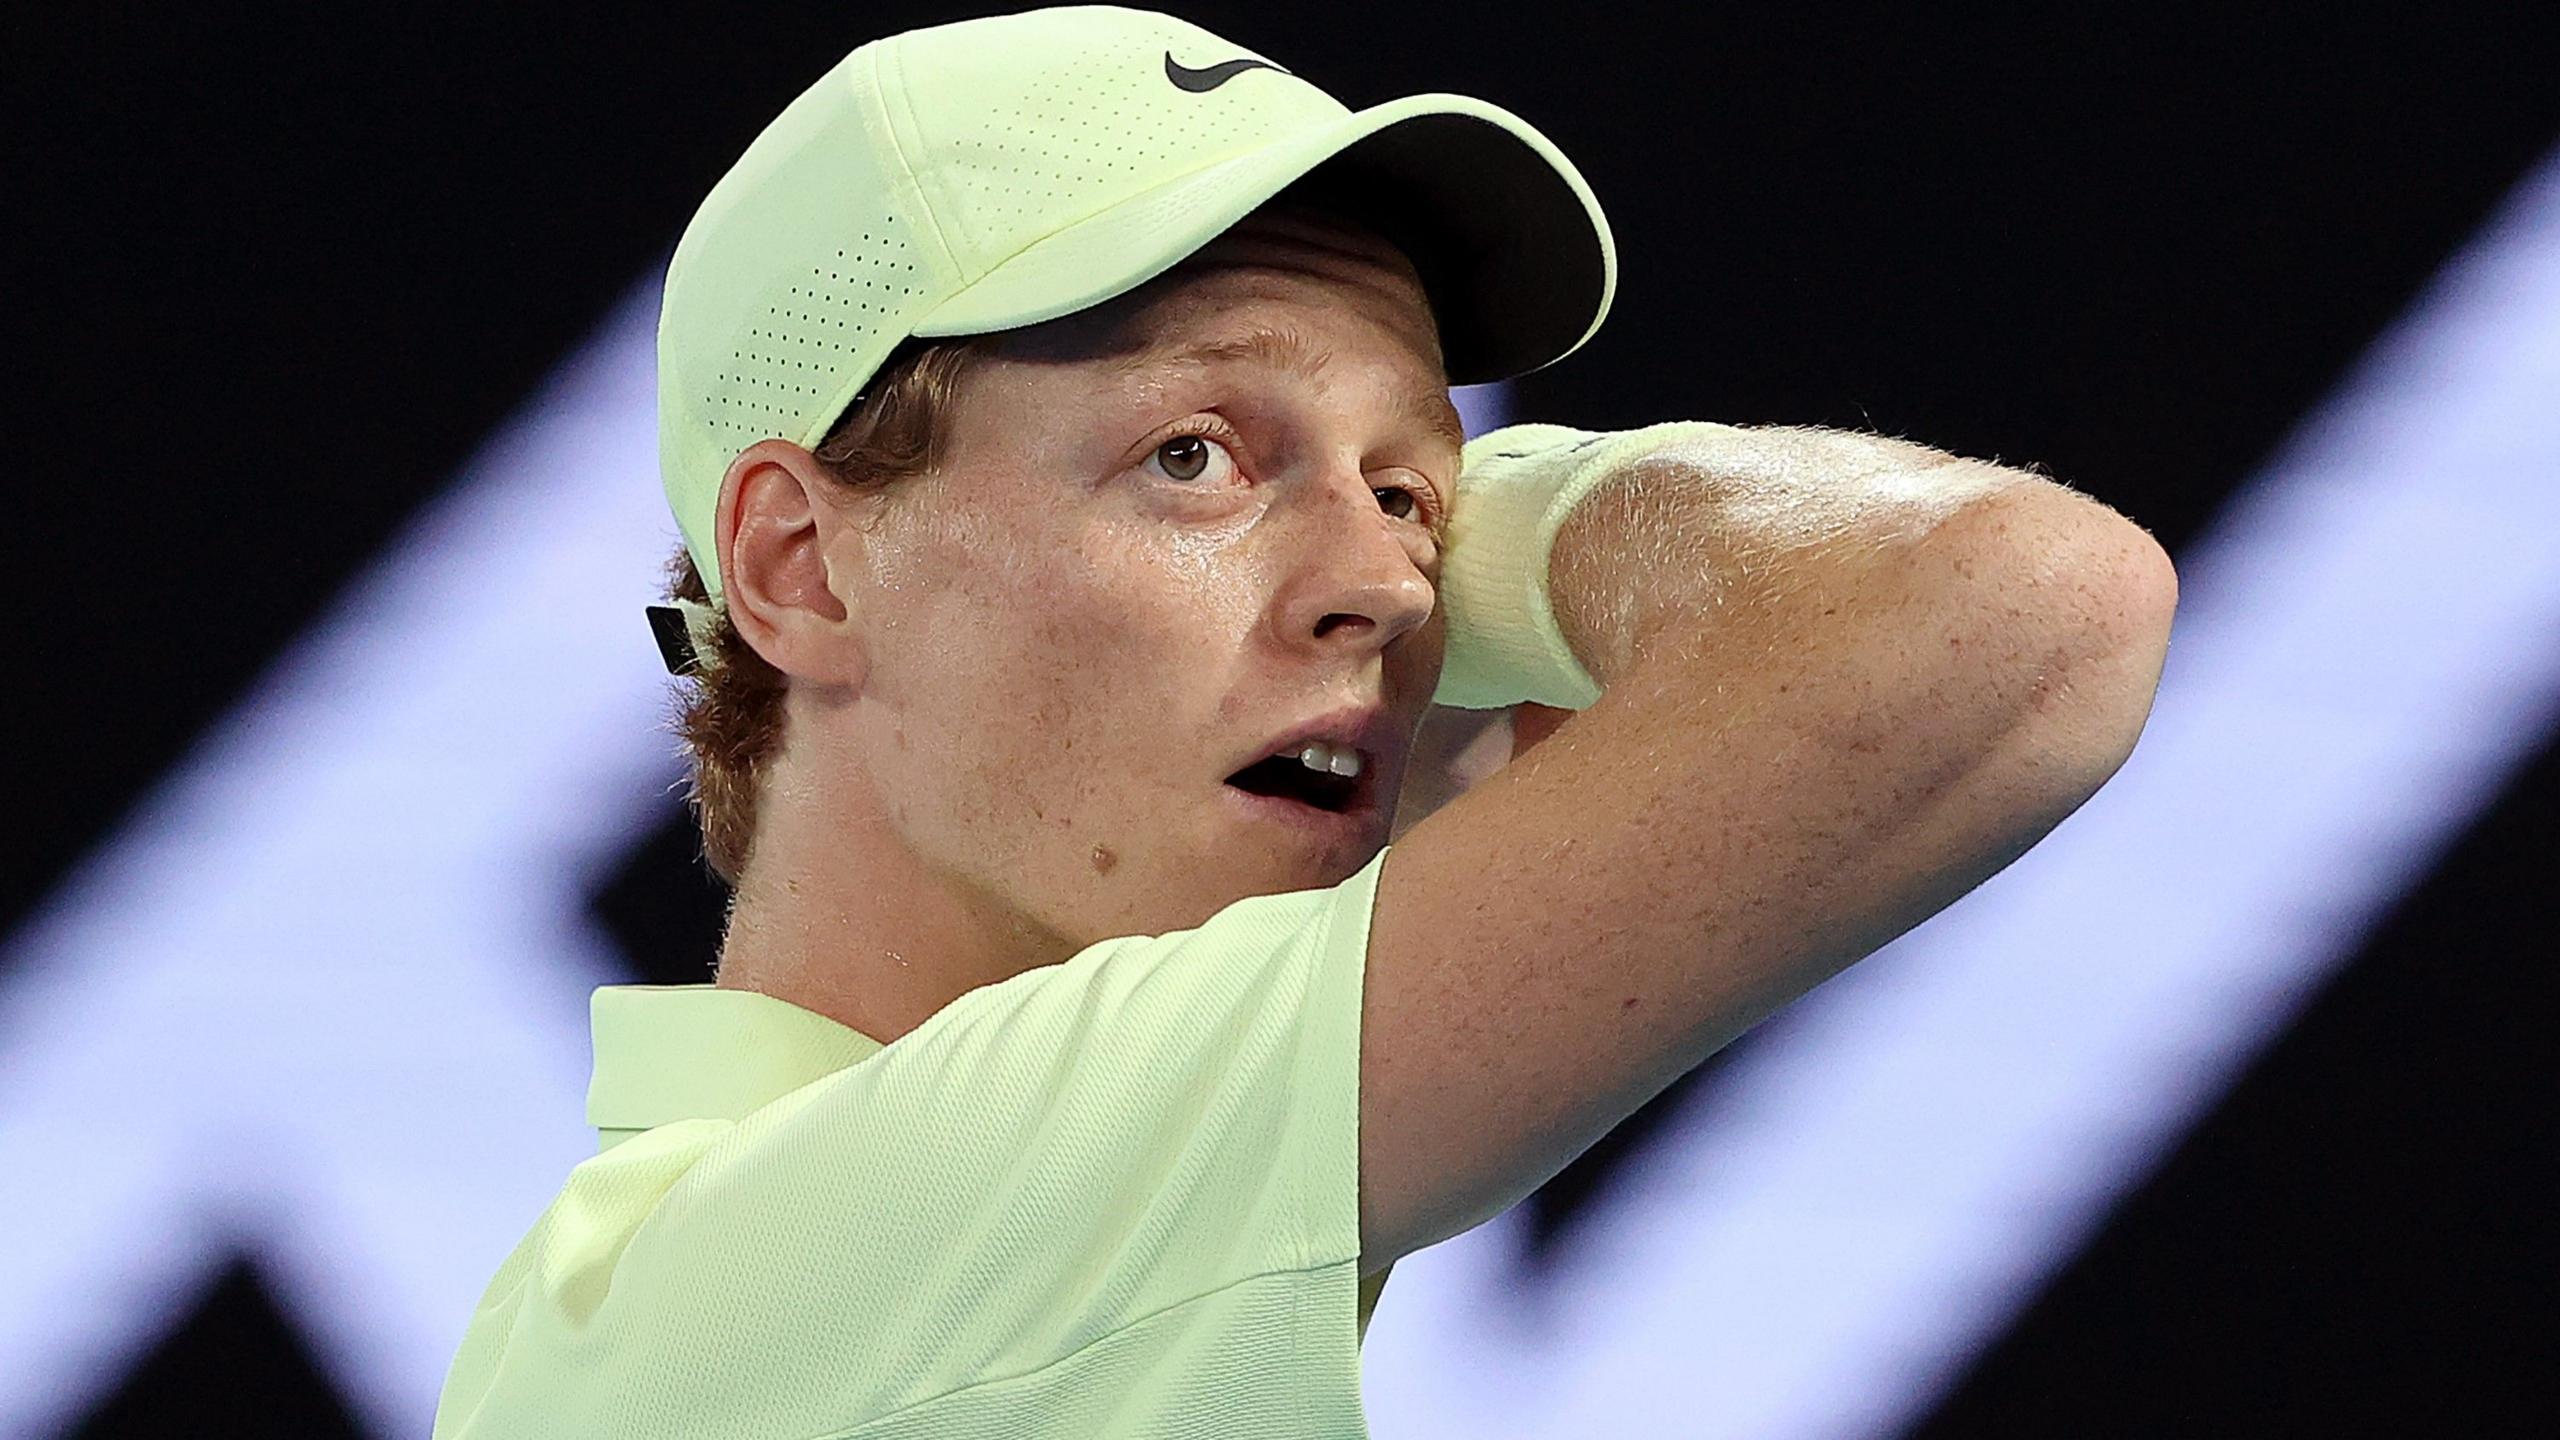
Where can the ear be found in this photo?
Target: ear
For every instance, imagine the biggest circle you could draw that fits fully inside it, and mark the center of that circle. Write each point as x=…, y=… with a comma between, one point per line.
x=777, y=524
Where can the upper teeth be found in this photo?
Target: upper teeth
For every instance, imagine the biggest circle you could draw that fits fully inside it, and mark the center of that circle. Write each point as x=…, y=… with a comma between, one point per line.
x=1339, y=759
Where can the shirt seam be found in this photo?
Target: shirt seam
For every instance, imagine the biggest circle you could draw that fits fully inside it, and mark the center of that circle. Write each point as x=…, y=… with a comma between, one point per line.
x=1299, y=1213
x=1296, y=1323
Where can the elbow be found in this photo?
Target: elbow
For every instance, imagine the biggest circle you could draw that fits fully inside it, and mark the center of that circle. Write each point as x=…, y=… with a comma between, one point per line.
x=2061, y=610
x=2111, y=593
x=2130, y=674
x=2112, y=584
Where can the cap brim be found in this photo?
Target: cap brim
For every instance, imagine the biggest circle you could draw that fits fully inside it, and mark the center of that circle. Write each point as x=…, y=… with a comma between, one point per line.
x=1512, y=249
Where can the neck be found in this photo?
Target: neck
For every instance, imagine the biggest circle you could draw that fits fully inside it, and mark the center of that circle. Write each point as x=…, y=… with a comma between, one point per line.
x=848, y=922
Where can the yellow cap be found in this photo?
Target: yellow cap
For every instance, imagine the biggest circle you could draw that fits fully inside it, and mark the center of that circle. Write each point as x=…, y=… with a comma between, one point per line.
x=998, y=172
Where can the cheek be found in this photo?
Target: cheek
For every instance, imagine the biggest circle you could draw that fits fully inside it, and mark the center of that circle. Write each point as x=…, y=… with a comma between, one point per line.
x=1031, y=690
x=1131, y=601
x=1053, y=684
x=1102, y=673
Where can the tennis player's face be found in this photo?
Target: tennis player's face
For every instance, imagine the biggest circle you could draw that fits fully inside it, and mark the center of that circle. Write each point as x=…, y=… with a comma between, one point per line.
x=1171, y=533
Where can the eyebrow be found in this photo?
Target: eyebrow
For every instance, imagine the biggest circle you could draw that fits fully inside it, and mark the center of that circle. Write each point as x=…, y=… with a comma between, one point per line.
x=1286, y=350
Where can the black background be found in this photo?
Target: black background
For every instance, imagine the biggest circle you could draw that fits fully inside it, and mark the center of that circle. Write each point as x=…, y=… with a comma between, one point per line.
x=274, y=272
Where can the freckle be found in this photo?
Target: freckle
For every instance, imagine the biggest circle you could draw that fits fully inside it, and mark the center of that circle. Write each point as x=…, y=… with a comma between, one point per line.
x=902, y=737
x=1103, y=859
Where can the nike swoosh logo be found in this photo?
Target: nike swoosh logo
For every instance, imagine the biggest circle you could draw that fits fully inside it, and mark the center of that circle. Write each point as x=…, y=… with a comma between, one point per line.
x=1201, y=82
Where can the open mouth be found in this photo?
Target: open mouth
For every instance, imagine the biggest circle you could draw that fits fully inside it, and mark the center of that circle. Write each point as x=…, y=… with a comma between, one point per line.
x=1285, y=777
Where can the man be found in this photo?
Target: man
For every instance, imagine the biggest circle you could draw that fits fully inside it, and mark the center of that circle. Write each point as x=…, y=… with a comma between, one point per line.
x=1077, y=531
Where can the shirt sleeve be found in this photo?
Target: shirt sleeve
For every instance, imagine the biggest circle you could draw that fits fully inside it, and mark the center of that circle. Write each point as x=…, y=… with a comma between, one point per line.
x=1080, y=1150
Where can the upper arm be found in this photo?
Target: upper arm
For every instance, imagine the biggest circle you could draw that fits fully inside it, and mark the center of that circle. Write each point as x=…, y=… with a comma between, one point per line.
x=1724, y=831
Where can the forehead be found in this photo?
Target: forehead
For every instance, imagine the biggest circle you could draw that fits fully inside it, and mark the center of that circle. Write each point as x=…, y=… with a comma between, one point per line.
x=1423, y=400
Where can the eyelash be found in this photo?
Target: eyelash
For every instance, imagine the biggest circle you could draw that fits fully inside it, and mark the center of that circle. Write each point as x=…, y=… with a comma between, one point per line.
x=1209, y=426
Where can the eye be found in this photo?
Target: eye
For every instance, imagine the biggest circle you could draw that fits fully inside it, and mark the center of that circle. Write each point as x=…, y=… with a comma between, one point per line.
x=1189, y=454
x=1416, y=503
x=1413, y=509
x=1193, y=453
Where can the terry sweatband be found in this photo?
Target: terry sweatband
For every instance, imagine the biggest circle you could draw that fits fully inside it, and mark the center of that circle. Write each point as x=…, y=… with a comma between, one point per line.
x=1516, y=485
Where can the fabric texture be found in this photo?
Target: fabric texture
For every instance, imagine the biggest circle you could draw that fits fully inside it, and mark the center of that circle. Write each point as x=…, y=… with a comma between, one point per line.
x=1516, y=487
x=1114, y=1196
x=999, y=171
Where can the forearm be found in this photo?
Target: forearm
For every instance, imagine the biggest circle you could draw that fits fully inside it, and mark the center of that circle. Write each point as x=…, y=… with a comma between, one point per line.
x=1727, y=526
x=1860, y=561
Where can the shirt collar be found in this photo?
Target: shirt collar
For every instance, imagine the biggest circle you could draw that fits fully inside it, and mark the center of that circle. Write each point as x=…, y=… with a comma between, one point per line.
x=694, y=1052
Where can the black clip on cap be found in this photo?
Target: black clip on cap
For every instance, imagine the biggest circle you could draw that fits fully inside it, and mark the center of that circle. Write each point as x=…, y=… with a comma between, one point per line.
x=675, y=642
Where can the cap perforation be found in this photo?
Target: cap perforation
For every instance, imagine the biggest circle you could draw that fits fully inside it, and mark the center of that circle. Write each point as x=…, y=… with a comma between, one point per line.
x=1025, y=124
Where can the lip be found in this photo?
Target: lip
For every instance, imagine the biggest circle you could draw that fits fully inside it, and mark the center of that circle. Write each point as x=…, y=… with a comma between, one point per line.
x=1366, y=728
x=1359, y=824
x=1352, y=826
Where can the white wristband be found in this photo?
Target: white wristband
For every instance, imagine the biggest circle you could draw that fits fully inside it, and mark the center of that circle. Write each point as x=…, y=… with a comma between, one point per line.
x=1516, y=485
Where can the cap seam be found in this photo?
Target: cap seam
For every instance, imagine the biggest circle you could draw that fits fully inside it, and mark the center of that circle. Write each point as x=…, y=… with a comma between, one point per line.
x=916, y=177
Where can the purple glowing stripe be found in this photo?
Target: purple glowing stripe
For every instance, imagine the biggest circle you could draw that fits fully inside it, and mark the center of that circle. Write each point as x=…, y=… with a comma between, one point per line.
x=324, y=997
x=2363, y=657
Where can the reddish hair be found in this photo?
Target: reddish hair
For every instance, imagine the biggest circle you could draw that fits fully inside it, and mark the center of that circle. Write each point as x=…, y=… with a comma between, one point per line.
x=731, y=716
x=729, y=712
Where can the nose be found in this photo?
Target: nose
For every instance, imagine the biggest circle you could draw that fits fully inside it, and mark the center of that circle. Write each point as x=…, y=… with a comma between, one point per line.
x=1360, y=584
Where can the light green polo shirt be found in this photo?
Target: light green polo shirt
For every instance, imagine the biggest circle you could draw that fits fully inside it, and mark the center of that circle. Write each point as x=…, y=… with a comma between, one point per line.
x=1114, y=1196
